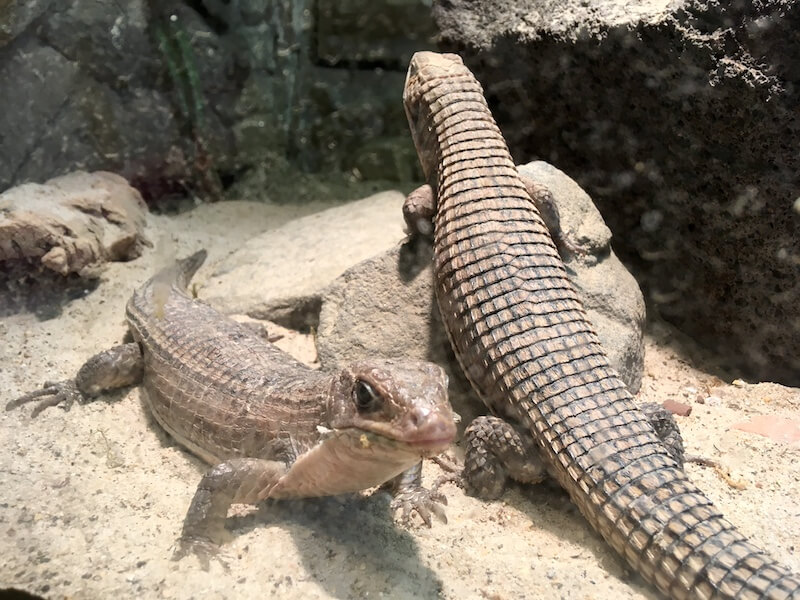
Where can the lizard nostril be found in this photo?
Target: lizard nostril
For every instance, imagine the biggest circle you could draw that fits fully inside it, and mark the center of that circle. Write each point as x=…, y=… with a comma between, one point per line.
x=418, y=416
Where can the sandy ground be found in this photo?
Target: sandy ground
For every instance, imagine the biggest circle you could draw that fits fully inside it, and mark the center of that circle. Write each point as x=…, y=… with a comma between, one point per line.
x=91, y=501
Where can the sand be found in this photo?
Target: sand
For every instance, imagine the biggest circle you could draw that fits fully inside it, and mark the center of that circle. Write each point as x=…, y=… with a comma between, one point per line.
x=92, y=501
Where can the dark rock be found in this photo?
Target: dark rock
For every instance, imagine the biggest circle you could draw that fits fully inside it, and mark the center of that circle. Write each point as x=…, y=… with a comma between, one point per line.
x=17, y=15
x=95, y=100
x=379, y=33
x=676, y=118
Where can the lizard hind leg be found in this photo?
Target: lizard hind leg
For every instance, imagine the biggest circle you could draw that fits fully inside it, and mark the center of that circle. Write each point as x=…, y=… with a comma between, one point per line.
x=236, y=481
x=495, y=451
x=666, y=428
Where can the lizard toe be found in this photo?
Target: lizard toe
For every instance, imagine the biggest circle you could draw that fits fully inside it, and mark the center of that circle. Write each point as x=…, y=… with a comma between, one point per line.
x=203, y=548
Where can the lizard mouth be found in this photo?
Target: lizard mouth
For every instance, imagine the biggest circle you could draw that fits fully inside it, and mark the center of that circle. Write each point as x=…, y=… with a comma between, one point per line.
x=431, y=446
x=432, y=437
x=422, y=446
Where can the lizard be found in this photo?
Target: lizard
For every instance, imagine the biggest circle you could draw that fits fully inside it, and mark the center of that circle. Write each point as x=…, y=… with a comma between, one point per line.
x=523, y=340
x=270, y=426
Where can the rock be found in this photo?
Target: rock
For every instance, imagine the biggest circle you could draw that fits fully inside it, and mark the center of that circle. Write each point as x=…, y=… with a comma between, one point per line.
x=784, y=431
x=353, y=31
x=94, y=101
x=227, y=86
x=280, y=274
x=55, y=238
x=71, y=224
x=674, y=117
x=16, y=15
x=677, y=408
x=385, y=305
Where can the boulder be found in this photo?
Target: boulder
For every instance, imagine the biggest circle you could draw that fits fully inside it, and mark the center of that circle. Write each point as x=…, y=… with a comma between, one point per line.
x=56, y=237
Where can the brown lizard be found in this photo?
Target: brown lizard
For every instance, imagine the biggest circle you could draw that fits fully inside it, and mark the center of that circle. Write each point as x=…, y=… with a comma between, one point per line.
x=271, y=426
x=523, y=340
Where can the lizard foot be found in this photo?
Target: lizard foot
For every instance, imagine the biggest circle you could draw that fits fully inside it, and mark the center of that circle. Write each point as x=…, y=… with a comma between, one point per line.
x=53, y=393
x=203, y=548
x=454, y=472
x=425, y=502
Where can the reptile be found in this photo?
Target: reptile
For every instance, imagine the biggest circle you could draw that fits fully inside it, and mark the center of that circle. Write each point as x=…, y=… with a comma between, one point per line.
x=271, y=426
x=523, y=340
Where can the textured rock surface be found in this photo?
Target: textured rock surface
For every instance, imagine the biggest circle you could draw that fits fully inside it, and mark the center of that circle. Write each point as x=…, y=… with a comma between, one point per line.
x=186, y=95
x=678, y=119
x=96, y=100
x=70, y=225
x=280, y=274
x=366, y=31
x=386, y=305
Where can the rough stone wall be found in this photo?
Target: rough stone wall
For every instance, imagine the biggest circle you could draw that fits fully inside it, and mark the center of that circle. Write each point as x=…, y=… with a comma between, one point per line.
x=681, y=120
x=184, y=95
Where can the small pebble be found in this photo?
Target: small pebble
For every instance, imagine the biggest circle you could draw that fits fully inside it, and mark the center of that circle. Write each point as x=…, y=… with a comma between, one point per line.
x=677, y=408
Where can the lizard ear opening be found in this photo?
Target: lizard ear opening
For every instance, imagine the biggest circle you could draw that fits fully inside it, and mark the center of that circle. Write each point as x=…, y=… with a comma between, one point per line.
x=365, y=397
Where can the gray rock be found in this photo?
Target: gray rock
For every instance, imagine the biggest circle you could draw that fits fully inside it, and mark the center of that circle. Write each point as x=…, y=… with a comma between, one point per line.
x=17, y=15
x=609, y=292
x=674, y=117
x=385, y=305
x=43, y=98
x=94, y=101
x=388, y=33
x=280, y=274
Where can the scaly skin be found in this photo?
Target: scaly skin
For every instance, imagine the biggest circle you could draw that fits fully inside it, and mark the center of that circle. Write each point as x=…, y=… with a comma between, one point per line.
x=271, y=426
x=524, y=342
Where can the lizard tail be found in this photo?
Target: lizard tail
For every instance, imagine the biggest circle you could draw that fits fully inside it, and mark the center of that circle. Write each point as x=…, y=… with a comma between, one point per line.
x=153, y=296
x=184, y=269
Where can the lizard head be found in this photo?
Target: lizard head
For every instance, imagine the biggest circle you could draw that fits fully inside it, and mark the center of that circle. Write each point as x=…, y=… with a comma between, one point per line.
x=402, y=401
x=424, y=96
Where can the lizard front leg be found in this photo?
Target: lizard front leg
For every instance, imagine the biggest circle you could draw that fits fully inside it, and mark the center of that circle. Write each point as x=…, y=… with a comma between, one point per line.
x=546, y=205
x=419, y=209
x=117, y=367
x=236, y=481
x=409, y=495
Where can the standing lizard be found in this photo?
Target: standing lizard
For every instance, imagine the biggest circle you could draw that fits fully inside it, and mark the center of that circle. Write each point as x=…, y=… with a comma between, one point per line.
x=523, y=340
x=270, y=426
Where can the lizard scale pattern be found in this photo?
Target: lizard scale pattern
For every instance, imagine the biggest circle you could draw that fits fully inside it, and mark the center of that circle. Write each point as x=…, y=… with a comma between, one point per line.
x=523, y=340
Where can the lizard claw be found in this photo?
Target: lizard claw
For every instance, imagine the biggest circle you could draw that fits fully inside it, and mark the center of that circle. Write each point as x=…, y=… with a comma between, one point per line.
x=203, y=548
x=425, y=502
x=53, y=393
x=453, y=472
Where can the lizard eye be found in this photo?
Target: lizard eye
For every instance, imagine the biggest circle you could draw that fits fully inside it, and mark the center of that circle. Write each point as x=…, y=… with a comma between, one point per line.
x=365, y=396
